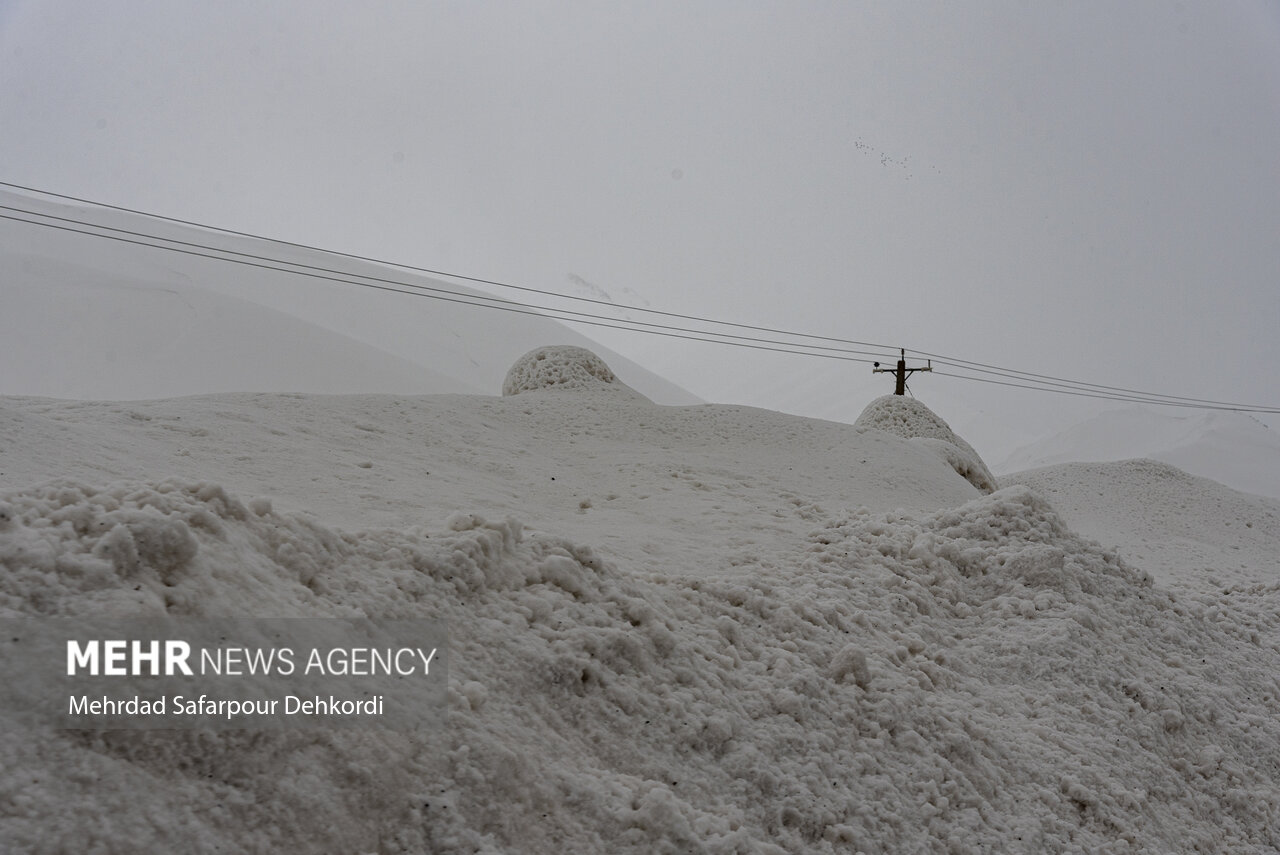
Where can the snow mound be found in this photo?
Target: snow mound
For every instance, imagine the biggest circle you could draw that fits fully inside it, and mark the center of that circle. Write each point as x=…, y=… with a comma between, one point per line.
x=975, y=679
x=561, y=367
x=1192, y=533
x=910, y=419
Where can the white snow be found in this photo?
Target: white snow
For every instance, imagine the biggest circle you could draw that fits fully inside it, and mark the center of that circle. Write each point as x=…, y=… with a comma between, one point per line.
x=673, y=629
x=1232, y=448
x=139, y=338
x=909, y=418
x=1191, y=533
x=563, y=367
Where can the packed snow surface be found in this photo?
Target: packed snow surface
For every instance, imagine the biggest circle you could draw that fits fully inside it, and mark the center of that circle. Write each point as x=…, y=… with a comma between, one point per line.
x=672, y=629
x=909, y=418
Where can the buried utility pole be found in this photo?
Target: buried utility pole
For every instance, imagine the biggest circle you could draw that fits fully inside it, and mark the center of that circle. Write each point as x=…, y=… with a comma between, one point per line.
x=902, y=372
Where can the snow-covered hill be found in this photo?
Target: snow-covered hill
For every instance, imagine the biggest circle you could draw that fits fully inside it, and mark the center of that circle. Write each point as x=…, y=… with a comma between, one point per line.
x=672, y=629
x=1232, y=448
x=1193, y=534
x=99, y=318
x=73, y=333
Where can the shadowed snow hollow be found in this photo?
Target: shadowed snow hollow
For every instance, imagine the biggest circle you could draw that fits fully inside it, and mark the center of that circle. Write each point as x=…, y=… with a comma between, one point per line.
x=910, y=419
x=561, y=367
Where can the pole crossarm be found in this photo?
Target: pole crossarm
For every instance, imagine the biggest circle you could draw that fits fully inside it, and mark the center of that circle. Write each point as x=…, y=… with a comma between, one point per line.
x=902, y=372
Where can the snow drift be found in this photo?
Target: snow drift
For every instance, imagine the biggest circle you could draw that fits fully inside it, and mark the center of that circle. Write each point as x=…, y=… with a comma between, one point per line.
x=723, y=674
x=908, y=418
x=1159, y=513
x=976, y=678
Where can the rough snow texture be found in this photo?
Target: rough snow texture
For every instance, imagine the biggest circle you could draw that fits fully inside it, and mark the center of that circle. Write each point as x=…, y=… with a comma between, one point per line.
x=561, y=367
x=908, y=418
x=734, y=671
x=971, y=680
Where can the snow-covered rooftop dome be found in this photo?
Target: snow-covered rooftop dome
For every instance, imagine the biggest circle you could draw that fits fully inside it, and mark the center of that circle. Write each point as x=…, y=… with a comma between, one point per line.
x=910, y=419
x=561, y=367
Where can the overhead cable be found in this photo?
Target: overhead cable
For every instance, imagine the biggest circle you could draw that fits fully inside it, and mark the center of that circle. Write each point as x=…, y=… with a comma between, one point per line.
x=847, y=352
x=431, y=272
x=383, y=283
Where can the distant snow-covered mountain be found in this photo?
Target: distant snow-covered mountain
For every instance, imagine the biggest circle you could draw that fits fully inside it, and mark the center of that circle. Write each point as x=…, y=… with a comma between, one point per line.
x=1230, y=448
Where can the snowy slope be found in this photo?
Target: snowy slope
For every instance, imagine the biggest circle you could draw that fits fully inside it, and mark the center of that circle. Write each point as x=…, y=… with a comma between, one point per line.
x=654, y=488
x=673, y=629
x=74, y=334
x=909, y=418
x=1191, y=533
x=1232, y=448
x=220, y=326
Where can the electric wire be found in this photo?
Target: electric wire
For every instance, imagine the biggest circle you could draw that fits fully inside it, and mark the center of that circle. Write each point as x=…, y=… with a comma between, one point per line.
x=1111, y=397
x=449, y=296
x=1050, y=380
x=507, y=306
x=600, y=321
x=1101, y=391
x=1029, y=380
x=431, y=272
x=1149, y=397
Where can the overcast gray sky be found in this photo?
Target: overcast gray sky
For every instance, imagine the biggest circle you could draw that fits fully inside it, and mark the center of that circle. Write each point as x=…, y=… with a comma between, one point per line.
x=1088, y=190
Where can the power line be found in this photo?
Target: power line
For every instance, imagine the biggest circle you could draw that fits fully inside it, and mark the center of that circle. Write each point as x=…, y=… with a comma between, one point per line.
x=567, y=315
x=1113, y=397
x=1049, y=380
x=497, y=303
x=1149, y=397
x=1026, y=380
x=431, y=272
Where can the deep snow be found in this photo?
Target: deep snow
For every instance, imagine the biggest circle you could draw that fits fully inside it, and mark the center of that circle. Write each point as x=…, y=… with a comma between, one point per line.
x=909, y=418
x=1191, y=533
x=673, y=629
